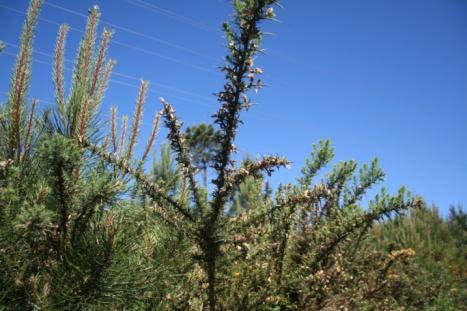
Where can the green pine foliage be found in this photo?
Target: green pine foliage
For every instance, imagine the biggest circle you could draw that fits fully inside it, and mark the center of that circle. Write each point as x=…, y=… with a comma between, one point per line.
x=85, y=224
x=437, y=277
x=202, y=141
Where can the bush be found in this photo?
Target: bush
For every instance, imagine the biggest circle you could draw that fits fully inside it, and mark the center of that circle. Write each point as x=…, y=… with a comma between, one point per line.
x=84, y=226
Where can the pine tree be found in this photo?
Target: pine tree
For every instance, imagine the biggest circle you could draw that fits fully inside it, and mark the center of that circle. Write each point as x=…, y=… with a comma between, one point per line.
x=15, y=135
x=85, y=226
x=434, y=280
x=202, y=146
x=60, y=205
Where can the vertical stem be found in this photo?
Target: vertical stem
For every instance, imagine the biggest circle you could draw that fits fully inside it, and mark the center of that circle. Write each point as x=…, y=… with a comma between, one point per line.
x=205, y=176
x=211, y=270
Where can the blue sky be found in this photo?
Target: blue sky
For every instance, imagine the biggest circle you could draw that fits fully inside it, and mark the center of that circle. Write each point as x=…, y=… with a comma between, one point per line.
x=385, y=78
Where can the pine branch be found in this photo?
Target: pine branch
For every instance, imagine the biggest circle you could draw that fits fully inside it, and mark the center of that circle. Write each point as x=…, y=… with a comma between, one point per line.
x=84, y=118
x=20, y=81
x=58, y=71
x=29, y=129
x=152, y=136
x=137, y=118
x=122, y=143
x=101, y=56
x=113, y=128
x=80, y=94
x=104, y=80
x=87, y=48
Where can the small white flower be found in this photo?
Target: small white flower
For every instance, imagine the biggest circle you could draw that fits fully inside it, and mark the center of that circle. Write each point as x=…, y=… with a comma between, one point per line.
x=270, y=12
x=258, y=70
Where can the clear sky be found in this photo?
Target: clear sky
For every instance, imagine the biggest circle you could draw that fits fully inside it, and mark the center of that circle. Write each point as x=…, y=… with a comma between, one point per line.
x=384, y=78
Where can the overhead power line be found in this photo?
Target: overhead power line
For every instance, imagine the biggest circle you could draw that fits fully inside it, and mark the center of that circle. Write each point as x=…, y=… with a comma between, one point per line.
x=258, y=114
x=39, y=100
x=134, y=86
x=175, y=60
x=158, y=143
x=136, y=33
x=123, y=75
x=174, y=15
x=295, y=61
x=123, y=44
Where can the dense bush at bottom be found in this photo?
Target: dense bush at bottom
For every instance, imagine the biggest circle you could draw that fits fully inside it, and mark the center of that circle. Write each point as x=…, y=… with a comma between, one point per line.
x=86, y=223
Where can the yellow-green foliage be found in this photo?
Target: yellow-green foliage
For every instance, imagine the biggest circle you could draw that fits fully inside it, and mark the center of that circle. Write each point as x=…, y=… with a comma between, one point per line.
x=85, y=226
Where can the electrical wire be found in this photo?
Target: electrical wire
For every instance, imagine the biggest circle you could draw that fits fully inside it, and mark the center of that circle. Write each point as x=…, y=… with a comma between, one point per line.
x=124, y=44
x=136, y=33
x=174, y=15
